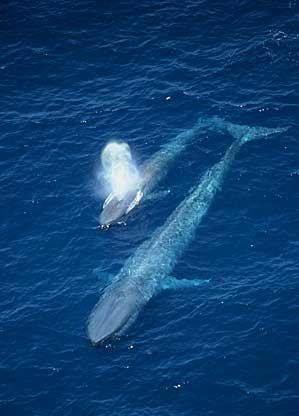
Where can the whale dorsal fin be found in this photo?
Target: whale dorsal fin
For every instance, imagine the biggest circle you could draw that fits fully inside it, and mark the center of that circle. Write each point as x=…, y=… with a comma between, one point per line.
x=105, y=278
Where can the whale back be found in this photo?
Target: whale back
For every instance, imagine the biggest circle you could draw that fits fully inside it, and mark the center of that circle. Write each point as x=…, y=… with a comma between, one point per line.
x=111, y=314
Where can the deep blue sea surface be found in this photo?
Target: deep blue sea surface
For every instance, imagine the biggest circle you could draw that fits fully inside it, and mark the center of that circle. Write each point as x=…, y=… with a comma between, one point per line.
x=74, y=74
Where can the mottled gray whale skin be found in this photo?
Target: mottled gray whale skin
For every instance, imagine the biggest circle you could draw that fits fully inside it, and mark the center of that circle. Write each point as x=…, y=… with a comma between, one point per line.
x=151, y=172
x=149, y=269
x=115, y=209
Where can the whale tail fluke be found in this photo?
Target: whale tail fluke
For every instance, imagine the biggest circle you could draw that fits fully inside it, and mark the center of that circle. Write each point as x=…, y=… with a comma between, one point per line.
x=243, y=132
x=256, y=133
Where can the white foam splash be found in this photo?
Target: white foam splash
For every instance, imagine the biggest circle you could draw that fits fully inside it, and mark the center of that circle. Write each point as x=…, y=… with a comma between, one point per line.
x=120, y=171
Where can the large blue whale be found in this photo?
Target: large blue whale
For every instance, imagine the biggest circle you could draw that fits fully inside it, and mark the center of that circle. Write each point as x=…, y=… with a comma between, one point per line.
x=149, y=269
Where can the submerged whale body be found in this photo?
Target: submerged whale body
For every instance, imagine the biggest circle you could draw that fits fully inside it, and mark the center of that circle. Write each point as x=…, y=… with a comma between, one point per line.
x=149, y=269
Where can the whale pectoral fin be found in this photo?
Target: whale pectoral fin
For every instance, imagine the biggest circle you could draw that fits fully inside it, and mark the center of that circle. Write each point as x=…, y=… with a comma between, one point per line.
x=105, y=278
x=174, y=283
x=157, y=195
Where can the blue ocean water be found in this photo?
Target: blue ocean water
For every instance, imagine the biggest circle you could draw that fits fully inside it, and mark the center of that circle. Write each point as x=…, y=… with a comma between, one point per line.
x=75, y=74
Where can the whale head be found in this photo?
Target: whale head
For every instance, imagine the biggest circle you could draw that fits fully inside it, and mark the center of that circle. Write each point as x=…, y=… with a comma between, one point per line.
x=111, y=315
x=122, y=180
x=115, y=209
